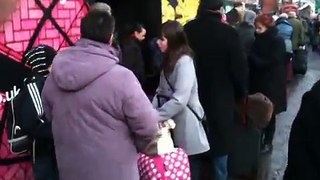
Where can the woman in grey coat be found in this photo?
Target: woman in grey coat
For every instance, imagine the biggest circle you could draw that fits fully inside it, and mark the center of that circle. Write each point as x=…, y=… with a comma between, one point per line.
x=177, y=94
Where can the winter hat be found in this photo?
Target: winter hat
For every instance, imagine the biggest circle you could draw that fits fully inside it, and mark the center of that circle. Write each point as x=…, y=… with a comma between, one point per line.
x=249, y=17
x=40, y=59
x=212, y=4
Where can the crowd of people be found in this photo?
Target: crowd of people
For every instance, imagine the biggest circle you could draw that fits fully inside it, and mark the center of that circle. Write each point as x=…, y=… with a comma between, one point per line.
x=94, y=117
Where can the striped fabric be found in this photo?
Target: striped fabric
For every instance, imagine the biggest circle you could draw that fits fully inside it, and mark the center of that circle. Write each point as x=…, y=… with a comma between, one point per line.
x=36, y=99
x=40, y=59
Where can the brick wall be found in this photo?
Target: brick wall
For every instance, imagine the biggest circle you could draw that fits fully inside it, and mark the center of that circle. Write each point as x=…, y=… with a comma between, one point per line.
x=15, y=34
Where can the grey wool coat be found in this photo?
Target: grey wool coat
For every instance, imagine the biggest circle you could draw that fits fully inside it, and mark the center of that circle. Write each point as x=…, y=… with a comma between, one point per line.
x=189, y=133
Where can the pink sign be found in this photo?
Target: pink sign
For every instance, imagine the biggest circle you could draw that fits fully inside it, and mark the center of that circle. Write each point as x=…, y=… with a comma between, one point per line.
x=15, y=34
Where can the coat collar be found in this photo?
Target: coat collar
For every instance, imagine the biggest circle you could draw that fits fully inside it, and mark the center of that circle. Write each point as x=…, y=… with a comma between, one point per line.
x=269, y=34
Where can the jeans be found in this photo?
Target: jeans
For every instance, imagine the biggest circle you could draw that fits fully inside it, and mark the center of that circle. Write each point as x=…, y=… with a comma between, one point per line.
x=196, y=164
x=220, y=167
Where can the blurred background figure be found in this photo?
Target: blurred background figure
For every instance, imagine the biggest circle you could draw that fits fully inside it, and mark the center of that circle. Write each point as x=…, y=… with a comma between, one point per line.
x=132, y=57
x=235, y=16
x=285, y=31
x=268, y=72
x=247, y=30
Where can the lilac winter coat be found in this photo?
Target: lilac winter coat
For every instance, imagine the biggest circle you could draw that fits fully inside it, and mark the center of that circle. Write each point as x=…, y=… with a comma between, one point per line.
x=100, y=116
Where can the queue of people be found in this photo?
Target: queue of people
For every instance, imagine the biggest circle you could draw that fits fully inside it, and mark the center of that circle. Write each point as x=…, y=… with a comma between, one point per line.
x=98, y=118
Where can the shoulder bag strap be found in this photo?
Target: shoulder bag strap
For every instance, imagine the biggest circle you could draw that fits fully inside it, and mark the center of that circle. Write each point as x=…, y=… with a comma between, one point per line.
x=189, y=107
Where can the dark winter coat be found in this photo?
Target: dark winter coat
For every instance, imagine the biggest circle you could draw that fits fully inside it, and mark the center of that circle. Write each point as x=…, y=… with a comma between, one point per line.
x=304, y=143
x=222, y=72
x=44, y=159
x=268, y=68
x=246, y=34
x=132, y=58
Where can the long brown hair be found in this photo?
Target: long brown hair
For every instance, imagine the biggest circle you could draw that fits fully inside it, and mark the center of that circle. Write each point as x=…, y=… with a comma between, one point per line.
x=177, y=45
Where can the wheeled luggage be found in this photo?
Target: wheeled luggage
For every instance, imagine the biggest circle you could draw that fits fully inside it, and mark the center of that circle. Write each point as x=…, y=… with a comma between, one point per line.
x=300, y=61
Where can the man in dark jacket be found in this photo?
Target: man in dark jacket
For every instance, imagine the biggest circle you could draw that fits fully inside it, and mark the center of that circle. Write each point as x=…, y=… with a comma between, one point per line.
x=304, y=143
x=222, y=72
x=33, y=119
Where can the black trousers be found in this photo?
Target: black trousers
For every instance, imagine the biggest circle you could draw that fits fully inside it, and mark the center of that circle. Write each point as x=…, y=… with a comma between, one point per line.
x=45, y=168
x=268, y=132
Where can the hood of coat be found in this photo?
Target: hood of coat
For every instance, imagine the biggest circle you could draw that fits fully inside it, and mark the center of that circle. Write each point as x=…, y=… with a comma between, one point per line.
x=78, y=66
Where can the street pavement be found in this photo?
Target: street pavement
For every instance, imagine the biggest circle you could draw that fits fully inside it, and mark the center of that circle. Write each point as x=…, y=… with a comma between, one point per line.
x=274, y=165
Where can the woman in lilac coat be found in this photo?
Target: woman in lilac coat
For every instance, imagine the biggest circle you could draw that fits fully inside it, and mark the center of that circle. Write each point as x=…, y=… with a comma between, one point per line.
x=101, y=117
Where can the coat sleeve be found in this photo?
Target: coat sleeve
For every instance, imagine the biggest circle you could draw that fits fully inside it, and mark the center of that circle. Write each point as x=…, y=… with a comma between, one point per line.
x=185, y=76
x=276, y=56
x=141, y=117
x=302, y=37
x=30, y=121
x=239, y=69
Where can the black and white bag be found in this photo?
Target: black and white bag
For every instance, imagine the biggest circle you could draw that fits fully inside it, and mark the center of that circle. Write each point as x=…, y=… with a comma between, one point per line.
x=18, y=139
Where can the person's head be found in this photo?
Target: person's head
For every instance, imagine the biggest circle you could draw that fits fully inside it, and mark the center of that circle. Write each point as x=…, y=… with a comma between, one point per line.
x=100, y=6
x=98, y=26
x=210, y=5
x=249, y=17
x=239, y=6
x=137, y=31
x=263, y=23
x=292, y=14
x=40, y=59
x=173, y=43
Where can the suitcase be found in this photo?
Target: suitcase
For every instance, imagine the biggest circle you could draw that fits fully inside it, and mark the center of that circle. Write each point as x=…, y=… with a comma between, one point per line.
x=289, y=71
x=300, y=61
x=170, y=166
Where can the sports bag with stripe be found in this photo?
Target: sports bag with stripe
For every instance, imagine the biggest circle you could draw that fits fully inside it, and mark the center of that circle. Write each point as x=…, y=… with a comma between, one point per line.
x=19, y=140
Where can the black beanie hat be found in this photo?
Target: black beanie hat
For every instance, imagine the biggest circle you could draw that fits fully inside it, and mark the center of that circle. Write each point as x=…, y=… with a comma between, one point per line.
x=211, y=4
x=40, y=59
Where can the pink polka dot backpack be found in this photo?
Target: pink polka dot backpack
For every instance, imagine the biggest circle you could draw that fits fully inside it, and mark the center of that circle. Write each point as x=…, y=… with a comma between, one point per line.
x=161, y=161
